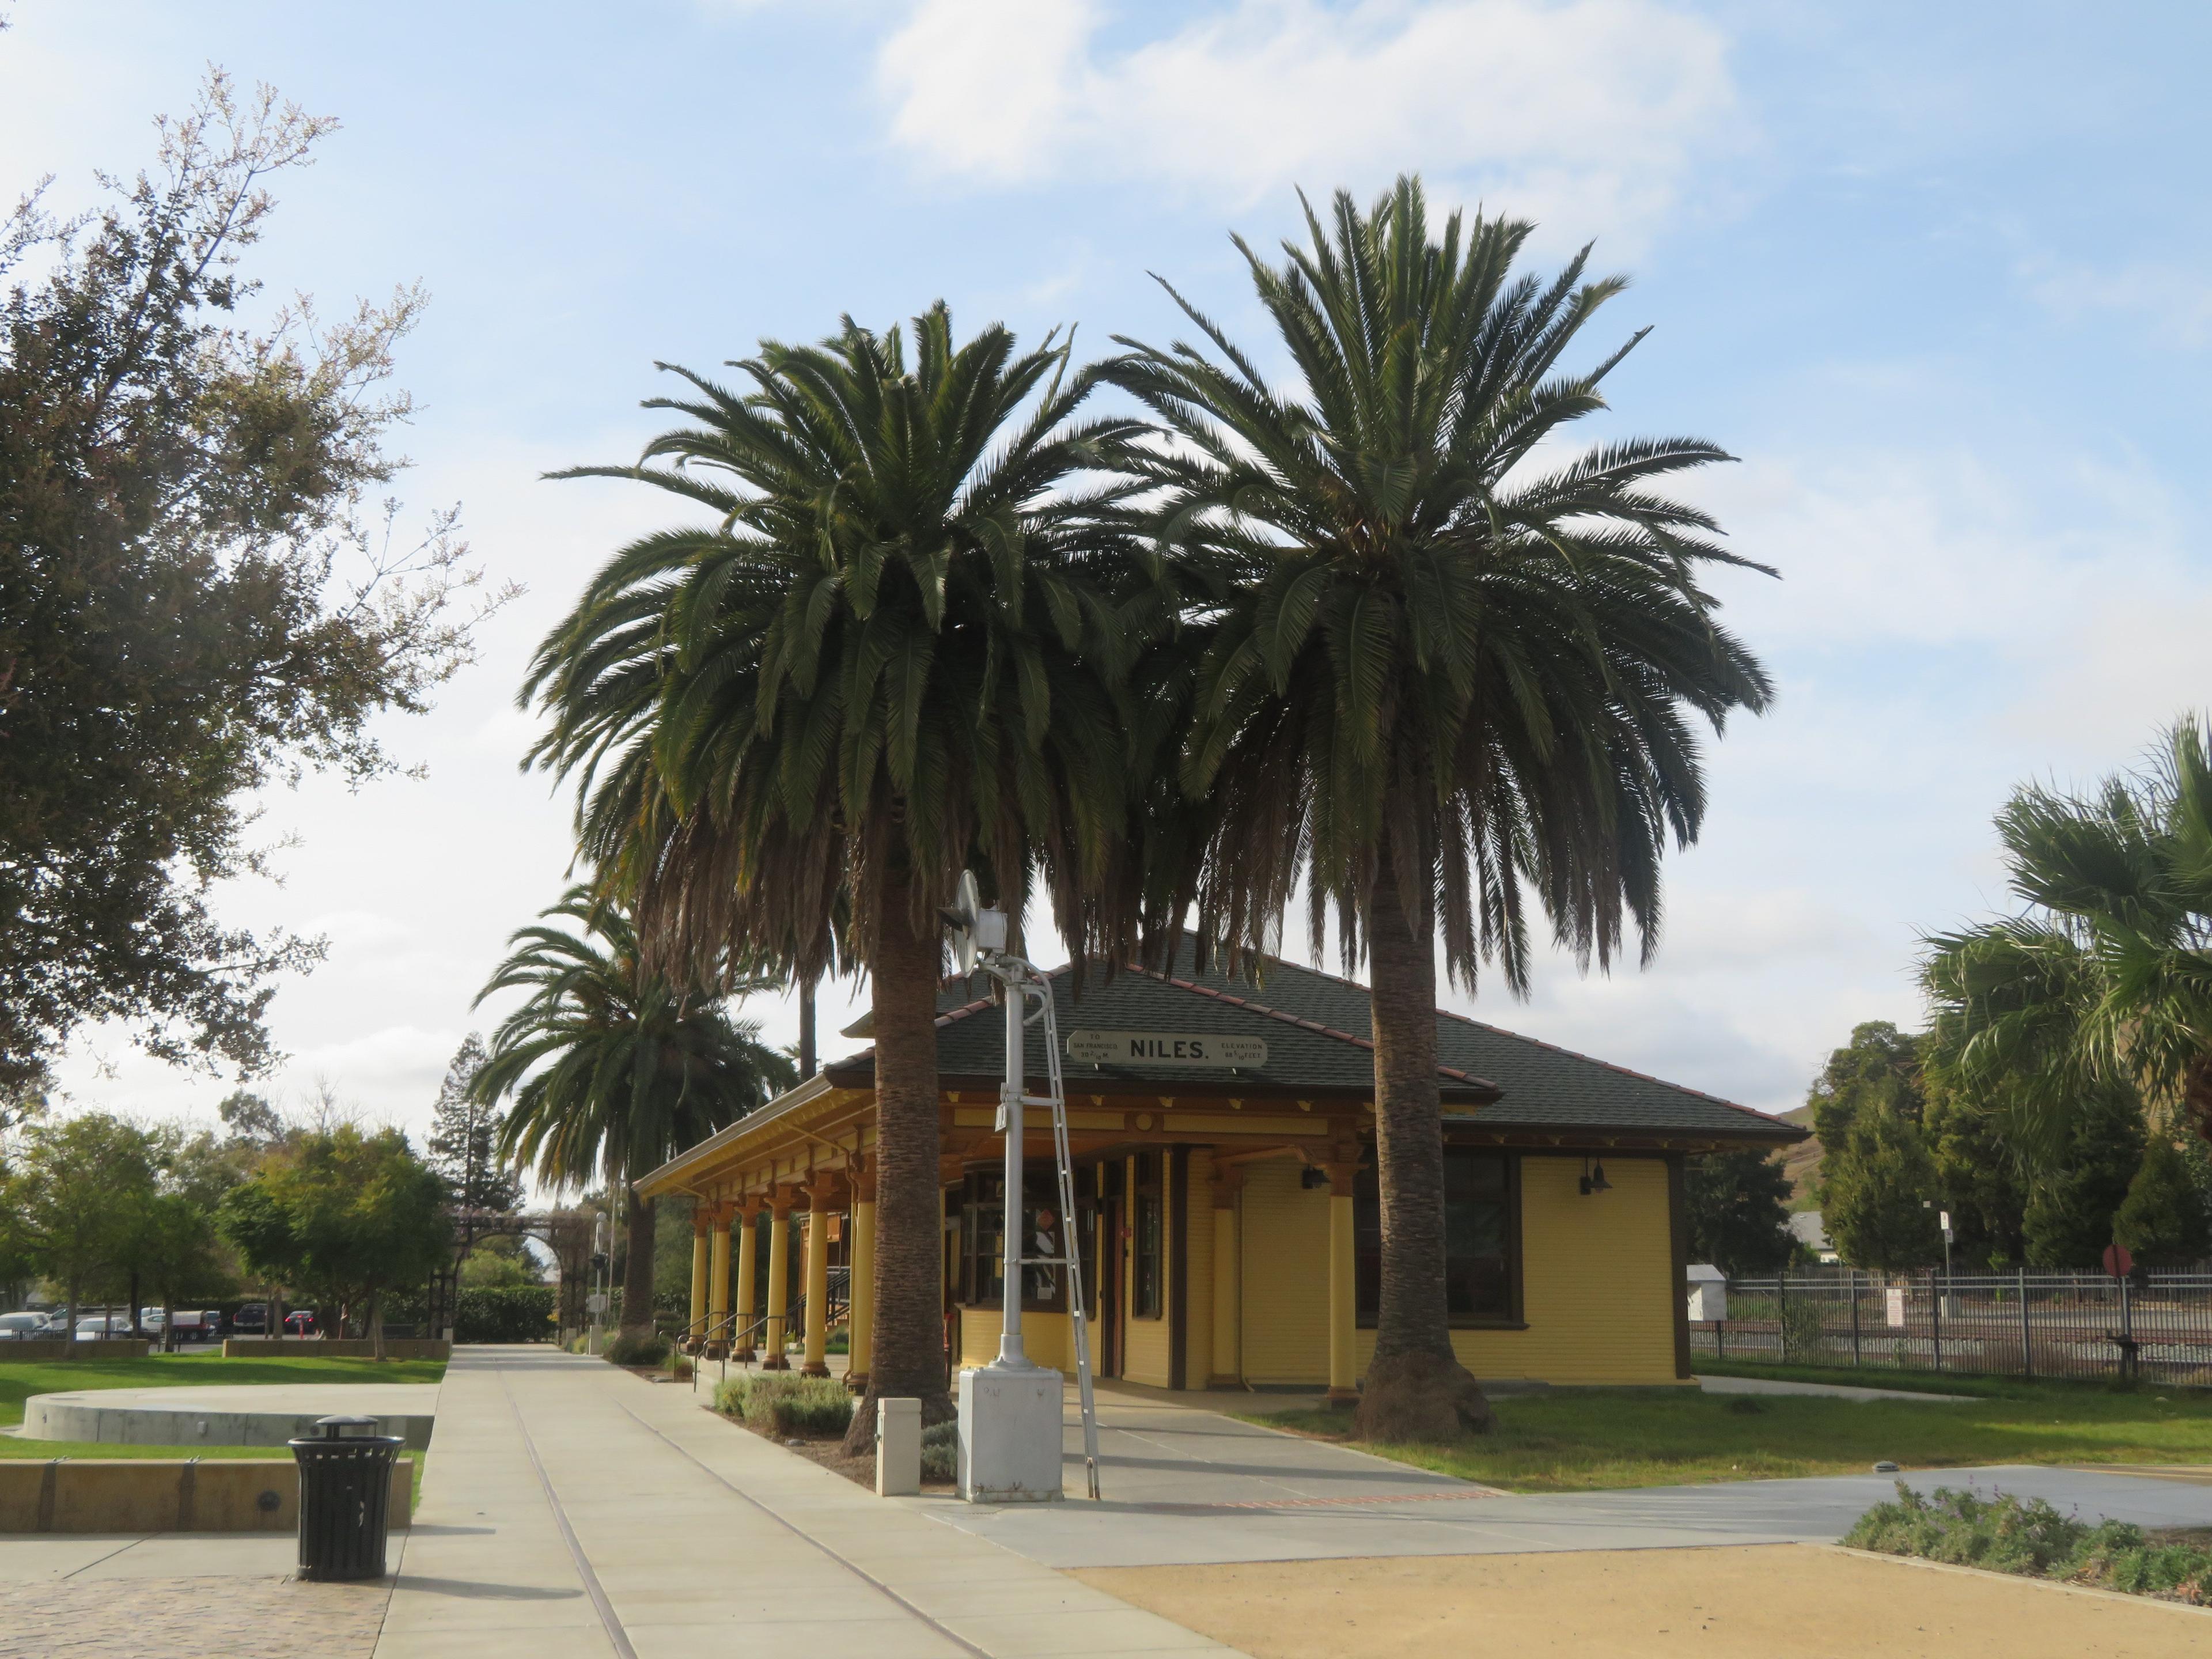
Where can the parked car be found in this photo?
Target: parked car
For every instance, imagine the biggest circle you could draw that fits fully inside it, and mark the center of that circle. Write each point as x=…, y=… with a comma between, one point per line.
x=23, y=1327
x=149, y=1322
x=301, y=1322
x=251, y=1320
x=103, y=1325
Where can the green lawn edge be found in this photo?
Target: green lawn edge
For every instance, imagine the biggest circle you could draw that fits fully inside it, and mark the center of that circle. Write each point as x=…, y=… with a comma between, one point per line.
x=1586, y=1440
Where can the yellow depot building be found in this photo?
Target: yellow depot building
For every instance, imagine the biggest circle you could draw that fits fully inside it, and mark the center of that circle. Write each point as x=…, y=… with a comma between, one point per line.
x=1223, y=1136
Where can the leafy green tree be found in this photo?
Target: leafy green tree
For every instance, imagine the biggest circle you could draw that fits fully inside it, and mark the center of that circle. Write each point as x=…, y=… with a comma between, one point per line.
x=1978, y=1175
x=174, y=1247
x=2074, y=1194
x=610, y=1068
x=503, y=1262
x=195, y=601
x=2103, y=982
x=2163, y=1220
x=82, y=1181
x=1878, y=1186
x=1739, y=1212
x=249, y=1119
x=892, y=654
x=1879, y=1067
x=347, y=1216
x=1445, y=674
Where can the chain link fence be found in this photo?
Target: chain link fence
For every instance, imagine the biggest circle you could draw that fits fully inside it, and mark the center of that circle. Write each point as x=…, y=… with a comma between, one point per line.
x=2155, y=1327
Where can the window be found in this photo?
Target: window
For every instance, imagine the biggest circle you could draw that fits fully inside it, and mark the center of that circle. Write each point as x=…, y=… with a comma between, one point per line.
x=1482, y=1238
x=983, y=1240
x=1150, y=1222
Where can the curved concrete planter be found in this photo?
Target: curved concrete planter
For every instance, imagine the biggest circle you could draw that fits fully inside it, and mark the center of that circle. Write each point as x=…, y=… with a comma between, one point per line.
x=238, y=1415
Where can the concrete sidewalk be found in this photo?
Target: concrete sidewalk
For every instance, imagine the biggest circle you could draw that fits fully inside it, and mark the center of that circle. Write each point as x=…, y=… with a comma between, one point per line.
x=1187, y=1486
x=572, y=1509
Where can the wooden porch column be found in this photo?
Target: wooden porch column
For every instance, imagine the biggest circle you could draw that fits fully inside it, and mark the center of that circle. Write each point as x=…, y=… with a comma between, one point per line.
x=747, y=1245
x=1343, y=1310
x=863, y=1293
x=697, y=1324
x=718, y=1282
x=779, y=1279
x=817, y=1363
x=1228, y=1362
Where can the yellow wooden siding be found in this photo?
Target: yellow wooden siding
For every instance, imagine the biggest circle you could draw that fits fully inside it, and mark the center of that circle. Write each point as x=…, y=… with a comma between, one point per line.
x=1045, y=1339
x=1286, y=1272
x=1596, y=1280
x=1197, y=1274
x=1145, y=1347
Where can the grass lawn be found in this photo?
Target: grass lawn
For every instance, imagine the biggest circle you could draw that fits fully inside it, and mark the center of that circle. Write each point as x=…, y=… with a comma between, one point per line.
x=1584, y=1440
x=18, y=1382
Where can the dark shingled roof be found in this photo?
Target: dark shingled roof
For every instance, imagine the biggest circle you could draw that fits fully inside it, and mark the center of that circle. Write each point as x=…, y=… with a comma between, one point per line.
x=1317, y=1030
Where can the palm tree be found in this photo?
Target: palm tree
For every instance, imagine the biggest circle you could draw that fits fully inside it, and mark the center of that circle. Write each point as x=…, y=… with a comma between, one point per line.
x=1438, y=670
x=892, y=656
x=612, y=1068
x=2104, y=981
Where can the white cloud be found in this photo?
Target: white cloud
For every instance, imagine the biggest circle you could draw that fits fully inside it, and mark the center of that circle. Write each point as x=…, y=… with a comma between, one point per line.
x=2176, y=302
x=1589, y=115
x=1928, y=548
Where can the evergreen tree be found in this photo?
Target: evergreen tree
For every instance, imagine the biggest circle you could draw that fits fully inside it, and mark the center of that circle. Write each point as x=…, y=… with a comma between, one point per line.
x=1874, y=1189
x=2163, y=1220
x=2075, y=1196
x=464, y=1141
x=1739, y=1212
x=1978, y=1173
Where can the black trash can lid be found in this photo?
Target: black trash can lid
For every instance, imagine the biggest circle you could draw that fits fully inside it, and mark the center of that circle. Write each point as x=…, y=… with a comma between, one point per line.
x=334, y=1428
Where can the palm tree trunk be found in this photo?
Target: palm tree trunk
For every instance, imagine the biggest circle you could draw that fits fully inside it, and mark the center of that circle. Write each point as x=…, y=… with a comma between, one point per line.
x=1416, y=1389
x=806, y=1030
x=907, y=1360
x=637, y=1266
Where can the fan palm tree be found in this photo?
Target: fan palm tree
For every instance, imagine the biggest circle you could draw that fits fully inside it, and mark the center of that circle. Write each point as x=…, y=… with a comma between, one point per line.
x=1441, y=669
x=612, y=1068
x=2105, y=979
x=892, y=657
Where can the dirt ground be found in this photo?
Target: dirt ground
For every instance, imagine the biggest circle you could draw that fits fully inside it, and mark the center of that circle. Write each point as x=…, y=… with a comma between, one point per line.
x=1761, y=1601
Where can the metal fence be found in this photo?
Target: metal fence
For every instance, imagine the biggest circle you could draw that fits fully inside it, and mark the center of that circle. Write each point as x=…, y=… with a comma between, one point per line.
x=2157, y=1328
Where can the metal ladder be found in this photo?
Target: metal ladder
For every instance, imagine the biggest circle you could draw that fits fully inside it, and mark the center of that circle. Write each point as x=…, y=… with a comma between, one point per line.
x=1036, y=987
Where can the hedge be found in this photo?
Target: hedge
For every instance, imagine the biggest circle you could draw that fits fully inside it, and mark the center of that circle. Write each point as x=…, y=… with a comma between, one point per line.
x=511, y=1313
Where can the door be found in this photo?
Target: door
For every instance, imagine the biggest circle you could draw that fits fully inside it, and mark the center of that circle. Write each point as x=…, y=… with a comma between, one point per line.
x=1106, y=1328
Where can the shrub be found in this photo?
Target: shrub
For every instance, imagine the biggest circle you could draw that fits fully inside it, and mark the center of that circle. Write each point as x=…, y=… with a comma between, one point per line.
x=637, y=1351
x=2005, y=1534
x=777, y=1403
x=940, y=1452
x=485, y=1313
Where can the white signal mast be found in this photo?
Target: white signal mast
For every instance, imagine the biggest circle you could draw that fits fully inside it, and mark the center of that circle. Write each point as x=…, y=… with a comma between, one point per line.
x=1010, y=1433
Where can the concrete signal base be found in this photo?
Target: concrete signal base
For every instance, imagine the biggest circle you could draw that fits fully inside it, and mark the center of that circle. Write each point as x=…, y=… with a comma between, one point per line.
x=1010, y=1435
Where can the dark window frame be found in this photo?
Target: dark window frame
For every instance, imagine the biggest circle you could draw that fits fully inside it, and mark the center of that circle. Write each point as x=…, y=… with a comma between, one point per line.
x=1367, y=1225
x=1148, y=1238
x=982, y=1245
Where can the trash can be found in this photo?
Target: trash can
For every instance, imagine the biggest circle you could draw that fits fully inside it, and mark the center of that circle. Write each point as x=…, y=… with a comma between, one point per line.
x=345, y=1496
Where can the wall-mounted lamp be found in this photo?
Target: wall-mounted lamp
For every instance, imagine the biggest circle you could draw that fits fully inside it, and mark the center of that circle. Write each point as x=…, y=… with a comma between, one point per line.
x=1310, y=1178
x=1594, y=1179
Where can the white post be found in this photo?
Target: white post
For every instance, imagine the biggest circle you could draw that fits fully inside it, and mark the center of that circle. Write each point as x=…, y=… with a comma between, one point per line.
x=1011, y=1355
x=898, y=1448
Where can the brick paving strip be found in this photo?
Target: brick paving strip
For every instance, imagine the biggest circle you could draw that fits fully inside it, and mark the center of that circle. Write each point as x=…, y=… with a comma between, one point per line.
x=212, y=1617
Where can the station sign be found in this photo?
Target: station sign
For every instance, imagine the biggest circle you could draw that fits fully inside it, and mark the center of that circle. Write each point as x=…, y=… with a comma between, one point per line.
x=1185, y=1048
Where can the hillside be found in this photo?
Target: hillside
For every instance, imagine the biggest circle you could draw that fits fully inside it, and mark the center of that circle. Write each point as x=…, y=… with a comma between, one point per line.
x=1802, y=1163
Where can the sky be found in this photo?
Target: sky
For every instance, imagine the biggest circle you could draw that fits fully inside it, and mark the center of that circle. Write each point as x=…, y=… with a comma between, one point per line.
x=1936, y=275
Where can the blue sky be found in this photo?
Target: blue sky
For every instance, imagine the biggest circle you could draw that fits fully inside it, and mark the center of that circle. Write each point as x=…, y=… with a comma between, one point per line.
x=1936, y=275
